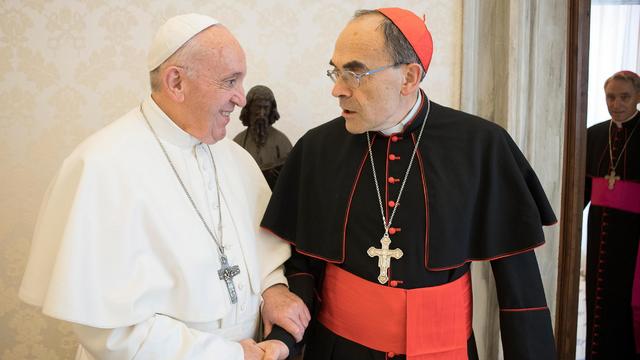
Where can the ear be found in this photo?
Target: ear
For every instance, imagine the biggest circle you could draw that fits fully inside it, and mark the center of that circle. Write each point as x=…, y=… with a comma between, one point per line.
x=412, y=77
x=172, y=81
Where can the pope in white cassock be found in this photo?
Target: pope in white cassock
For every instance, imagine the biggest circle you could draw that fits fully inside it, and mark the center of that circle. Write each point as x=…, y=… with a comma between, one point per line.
x=148, y=239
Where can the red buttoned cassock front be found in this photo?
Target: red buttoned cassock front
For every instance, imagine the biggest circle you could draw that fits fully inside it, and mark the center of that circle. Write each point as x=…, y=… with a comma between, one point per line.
x=470, y=196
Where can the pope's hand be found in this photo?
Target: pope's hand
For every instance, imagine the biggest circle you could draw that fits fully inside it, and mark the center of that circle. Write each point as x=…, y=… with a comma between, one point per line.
x=286, y=309
x=274, y=350
x=251, y=350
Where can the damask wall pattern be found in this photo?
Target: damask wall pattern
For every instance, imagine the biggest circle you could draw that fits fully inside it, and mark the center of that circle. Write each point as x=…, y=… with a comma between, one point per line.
x=67, y=68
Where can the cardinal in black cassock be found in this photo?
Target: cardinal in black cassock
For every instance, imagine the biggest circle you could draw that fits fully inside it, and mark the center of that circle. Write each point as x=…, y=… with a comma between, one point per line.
x=387, y=206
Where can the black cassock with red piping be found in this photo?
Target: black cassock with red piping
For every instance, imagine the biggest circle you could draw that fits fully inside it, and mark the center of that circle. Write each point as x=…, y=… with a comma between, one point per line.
x=470, y=196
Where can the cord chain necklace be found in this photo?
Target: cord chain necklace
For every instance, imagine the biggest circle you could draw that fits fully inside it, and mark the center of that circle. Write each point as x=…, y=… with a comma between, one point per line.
x=226, y=272
x=384, y=254
x=612, y=178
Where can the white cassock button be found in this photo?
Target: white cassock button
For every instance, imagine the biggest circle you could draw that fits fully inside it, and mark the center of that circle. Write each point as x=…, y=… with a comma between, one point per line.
x=243, y=308
x=241, y=286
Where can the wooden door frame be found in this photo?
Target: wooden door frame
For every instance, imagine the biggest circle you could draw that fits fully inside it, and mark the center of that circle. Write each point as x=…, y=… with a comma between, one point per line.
x=575, y=138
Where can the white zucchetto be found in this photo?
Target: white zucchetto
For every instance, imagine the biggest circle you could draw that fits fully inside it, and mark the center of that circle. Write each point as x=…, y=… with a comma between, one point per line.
x=173, y=34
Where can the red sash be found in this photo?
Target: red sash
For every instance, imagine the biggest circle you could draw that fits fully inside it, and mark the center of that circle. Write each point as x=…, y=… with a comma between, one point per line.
x=432, y=323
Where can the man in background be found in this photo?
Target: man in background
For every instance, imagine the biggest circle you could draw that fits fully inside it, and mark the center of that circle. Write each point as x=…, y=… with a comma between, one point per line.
x=613, y=188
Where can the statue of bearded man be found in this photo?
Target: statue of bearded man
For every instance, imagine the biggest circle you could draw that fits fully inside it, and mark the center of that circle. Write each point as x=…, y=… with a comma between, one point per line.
x=268, y=146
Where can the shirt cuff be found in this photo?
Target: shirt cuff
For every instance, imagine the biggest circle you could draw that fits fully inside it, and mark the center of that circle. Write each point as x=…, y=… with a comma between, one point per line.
x=275, y=277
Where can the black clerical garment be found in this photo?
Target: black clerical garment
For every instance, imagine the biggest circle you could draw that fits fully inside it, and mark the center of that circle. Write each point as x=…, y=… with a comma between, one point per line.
x=470, y=195
x=612, y=244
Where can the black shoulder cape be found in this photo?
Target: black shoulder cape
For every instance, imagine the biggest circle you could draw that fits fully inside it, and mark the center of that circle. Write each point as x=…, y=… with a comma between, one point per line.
x=484, y=200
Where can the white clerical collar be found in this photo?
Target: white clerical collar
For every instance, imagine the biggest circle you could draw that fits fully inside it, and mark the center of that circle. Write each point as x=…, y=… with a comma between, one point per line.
x=399, y=127
x=166, y=129
x=619, y=124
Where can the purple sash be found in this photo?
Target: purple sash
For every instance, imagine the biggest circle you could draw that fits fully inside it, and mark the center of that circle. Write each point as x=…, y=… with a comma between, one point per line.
x=624, y=196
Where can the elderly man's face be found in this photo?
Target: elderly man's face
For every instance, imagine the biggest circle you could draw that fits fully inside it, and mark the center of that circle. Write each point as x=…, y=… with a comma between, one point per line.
x=375, y=103
x=215, y=88
x=622, y=99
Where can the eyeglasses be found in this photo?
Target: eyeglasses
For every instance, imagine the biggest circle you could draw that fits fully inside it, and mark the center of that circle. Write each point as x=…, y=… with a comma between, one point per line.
x=351, y=78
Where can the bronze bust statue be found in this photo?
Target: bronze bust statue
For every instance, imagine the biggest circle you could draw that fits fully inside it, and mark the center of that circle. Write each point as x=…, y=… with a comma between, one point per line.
x=268, y=146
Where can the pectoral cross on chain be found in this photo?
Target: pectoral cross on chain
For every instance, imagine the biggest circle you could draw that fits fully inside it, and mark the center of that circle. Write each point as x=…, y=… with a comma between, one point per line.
x=612, y=179
x=384, y=257
x=227, y=273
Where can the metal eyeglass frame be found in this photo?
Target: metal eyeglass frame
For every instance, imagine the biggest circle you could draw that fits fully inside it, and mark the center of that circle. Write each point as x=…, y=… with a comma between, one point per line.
x=336, y=74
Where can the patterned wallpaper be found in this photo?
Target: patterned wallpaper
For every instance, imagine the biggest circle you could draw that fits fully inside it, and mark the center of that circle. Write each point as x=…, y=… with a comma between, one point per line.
x=67, y=68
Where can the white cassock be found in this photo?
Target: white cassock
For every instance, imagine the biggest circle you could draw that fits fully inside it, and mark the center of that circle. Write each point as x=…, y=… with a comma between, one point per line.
x=120, y=252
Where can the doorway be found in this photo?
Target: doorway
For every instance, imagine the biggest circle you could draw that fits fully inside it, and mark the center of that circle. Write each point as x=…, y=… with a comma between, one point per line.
x=614, y=44
x=578, y=75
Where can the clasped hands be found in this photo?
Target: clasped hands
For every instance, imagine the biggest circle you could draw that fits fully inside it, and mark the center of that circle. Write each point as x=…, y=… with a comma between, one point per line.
x=285, y=309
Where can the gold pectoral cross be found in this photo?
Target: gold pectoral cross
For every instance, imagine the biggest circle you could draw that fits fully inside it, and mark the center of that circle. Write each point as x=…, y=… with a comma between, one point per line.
x=384, y=257
x=612, y=179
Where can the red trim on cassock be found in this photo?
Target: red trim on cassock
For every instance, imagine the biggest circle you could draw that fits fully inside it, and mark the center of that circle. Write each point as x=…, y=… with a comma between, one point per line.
x=624, y=161
x=423, y=98
x=602, y=156
x=353, y=191
x=300, y=274
x=517, y=252
x=303, y=252
x=386, y=183
x=525, y=309
x=278, y=235
x=599, y=282
x=415, y=116
x=315, y=291
x=426, y=205
x=425, y=323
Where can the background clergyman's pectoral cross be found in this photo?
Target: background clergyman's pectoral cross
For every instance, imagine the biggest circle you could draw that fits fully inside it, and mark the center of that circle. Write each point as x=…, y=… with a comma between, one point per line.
x=227, y=273
x=384, y=257
x=612, y=179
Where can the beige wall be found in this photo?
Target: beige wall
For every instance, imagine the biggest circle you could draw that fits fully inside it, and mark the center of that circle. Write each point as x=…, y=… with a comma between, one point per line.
x=67, y=68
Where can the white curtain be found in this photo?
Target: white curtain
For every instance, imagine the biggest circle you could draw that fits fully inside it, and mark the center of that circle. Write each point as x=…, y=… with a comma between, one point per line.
x=614, y=45
x=514, y=74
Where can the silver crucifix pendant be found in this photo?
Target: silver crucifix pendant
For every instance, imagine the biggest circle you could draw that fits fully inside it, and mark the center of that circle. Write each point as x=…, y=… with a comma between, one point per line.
x=227, y=273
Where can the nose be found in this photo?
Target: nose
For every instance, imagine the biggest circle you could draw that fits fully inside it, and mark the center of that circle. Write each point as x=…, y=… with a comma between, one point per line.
x=615, y=103
x=340, y=89
x=239, y=98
